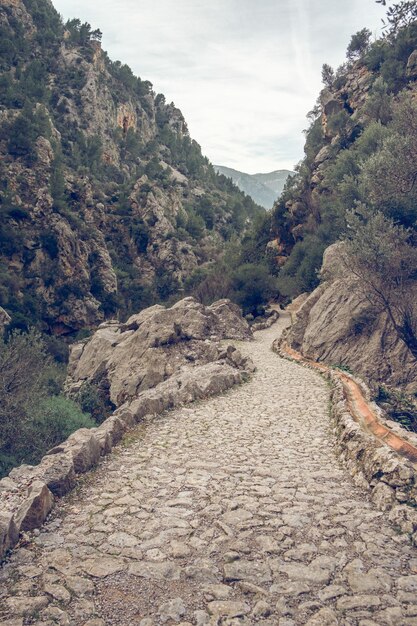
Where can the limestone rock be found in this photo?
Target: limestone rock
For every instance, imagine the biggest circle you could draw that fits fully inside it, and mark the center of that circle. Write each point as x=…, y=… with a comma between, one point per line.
x=35, y=508
x=9, y=532
x=57, y=472
x=411, y=70
x=329, y=327
x=154, y=345
x=84, y=448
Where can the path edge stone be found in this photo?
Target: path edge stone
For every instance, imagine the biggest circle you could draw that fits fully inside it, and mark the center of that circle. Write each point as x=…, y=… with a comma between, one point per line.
x=390, y=478
x=28, y=493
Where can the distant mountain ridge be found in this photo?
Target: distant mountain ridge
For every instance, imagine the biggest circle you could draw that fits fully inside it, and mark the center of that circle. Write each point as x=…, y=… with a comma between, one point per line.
x=263, y=188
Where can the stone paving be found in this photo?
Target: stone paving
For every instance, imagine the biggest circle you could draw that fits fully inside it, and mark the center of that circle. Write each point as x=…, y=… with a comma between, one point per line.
x=234, y=511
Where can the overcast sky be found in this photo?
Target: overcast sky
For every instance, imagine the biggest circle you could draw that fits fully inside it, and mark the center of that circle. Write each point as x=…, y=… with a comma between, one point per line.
x=244, y=72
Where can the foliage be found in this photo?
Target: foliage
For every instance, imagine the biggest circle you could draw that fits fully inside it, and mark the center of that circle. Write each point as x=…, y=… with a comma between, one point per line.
x=33, y=417
x=381, y=256
x=399, y=406
x=24, y=131
x=327, y=75
x=359, y=44
x=253, y=286
x=399, y=15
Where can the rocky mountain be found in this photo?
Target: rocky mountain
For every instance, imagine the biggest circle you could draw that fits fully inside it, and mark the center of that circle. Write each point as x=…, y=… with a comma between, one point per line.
x=107, y=204
x=359, y=170
x=264, y=189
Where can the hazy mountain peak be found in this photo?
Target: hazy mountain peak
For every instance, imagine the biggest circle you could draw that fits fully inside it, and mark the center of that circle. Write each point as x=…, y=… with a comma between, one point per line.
x=264, y=188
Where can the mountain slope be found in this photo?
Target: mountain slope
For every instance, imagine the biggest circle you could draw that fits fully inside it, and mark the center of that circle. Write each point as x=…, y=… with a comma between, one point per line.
x=107, y=204
x=263, y=188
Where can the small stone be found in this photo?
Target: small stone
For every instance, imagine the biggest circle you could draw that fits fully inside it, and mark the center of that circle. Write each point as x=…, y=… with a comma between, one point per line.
x=324, y=617
x=251, y=588
x=230, y=557
x=391, y=616
x=374, y=580
x=261, y=609
x=58, y=592
x=179, y=550
x=79, y=586
x=57, y=615
x=156, y=571
x=282, y=608
x=172, y=610
x=332, y=591
x=26, y=607
x=407, y=583
x=100, y=568
x=251, y=571
x=236, y=517
x=122, y=540
x=267, y=544
x=201, y=618
x=290, y=588
x=217, y=592
x=228, y=609
x=348, y=603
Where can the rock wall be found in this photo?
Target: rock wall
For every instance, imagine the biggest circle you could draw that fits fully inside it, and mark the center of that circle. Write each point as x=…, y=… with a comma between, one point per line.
x=380, y=455
x=160, y=359
x=337, y=324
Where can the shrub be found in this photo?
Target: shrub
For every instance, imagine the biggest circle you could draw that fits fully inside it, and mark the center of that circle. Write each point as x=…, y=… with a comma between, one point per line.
x=52, y=421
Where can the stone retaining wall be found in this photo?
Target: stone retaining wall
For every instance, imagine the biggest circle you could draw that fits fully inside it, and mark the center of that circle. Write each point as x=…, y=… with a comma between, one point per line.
x=390, y=477
x=28, y=494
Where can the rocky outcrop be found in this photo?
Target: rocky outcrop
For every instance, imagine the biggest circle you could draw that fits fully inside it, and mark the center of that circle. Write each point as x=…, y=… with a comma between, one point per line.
x=110, y=205
x=337, y=324
x=124, y=360
x=412, y=66
x=160, y=359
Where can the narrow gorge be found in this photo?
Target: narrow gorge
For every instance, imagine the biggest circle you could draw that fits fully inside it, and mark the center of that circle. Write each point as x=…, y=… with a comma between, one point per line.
x=208, y=406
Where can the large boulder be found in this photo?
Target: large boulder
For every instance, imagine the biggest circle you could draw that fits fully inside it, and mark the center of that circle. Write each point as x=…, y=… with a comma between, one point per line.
x=124, y=360
x=337, y=324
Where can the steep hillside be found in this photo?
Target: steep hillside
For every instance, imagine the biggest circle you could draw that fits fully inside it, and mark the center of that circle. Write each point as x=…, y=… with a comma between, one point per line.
x=107, y=205
x=357, y=184
x=264, y=189
x=364, y=116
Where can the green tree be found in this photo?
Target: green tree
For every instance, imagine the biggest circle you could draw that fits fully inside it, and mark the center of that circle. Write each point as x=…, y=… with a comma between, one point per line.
x=399, y=15
x=380, y=255
x=359, y=44
x=327, y=75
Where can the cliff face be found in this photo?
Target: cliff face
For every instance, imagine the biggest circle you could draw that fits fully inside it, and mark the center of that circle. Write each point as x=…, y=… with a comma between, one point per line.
x=337, y=324
x=107, y=203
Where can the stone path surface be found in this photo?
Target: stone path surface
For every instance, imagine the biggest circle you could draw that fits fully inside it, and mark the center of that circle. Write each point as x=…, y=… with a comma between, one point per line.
x=233, y=511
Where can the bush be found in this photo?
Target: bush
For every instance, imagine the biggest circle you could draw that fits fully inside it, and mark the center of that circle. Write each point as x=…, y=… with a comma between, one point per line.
x=253, y=287
x=52, y=421
x=33, y=417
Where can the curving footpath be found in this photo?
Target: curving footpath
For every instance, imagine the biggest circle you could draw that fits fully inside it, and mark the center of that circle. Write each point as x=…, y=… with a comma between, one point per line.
x=234, y=511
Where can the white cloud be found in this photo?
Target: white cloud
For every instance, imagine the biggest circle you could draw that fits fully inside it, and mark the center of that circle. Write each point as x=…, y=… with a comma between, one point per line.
x=244, y=72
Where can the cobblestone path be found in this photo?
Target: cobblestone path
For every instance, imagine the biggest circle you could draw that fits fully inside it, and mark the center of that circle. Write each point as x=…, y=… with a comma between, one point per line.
x=234, y=511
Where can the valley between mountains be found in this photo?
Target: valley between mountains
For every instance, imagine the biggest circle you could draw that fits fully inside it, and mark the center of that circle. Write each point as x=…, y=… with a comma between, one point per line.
x=232, y=511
